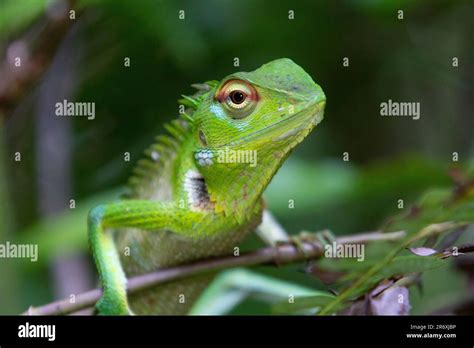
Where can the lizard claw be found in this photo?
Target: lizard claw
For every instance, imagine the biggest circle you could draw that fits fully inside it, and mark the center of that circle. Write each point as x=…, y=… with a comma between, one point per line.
x=322, y=238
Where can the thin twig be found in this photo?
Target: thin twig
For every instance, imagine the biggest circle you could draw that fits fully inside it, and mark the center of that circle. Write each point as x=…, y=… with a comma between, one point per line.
x=430, y=230
x=278, y=255
x=35, y=49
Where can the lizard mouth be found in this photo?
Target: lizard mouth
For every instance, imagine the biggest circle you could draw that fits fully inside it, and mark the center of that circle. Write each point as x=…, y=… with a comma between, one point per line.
x=303, y=120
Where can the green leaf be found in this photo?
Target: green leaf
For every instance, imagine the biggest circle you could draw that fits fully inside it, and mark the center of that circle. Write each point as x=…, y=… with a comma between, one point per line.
x=303, y=303
x=411, y=264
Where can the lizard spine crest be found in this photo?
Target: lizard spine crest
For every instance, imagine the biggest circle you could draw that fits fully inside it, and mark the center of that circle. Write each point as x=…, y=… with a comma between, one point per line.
x=149, y=170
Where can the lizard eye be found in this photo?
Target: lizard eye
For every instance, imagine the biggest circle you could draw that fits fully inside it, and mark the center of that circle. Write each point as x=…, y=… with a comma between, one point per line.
x=238, y=97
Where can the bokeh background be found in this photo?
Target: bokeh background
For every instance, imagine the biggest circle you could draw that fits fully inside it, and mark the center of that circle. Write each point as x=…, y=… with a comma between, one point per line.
x=83, y=60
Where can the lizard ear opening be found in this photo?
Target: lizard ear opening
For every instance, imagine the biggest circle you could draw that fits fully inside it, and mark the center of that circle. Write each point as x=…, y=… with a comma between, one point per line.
x=238, y=97
x=202, y=138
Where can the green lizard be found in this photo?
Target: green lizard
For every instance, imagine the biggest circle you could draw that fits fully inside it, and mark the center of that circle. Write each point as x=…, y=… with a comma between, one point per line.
x=198, y=192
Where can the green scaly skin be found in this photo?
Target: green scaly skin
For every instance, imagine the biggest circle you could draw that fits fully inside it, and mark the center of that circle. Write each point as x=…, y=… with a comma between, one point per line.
x=185, y=201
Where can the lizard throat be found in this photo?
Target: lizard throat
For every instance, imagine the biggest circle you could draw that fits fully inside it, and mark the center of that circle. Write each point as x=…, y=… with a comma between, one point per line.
x=196, y=188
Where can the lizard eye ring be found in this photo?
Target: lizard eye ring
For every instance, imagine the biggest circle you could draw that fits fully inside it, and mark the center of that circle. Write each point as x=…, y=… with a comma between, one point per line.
x=238, y=97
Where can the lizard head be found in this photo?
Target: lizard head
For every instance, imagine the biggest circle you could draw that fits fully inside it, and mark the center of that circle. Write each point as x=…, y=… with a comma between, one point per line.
x=247, y=125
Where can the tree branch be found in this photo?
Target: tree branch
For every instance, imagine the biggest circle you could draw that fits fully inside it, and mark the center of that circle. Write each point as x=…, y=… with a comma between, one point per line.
x=278, y=255
x=36, y=49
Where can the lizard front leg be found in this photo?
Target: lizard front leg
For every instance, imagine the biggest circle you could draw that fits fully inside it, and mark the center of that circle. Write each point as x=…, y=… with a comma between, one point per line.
x=270, y=231
x=146, y=215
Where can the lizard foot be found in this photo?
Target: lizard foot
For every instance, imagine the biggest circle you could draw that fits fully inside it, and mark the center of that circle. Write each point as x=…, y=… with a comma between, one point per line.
x=323, y=238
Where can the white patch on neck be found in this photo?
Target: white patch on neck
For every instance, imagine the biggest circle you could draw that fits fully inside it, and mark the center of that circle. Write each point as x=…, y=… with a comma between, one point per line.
x=196, y=189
